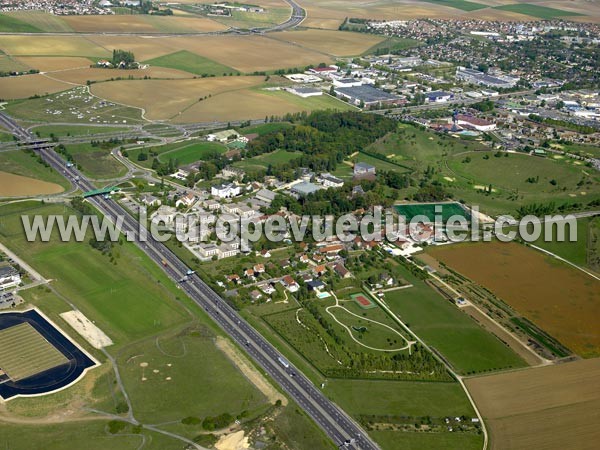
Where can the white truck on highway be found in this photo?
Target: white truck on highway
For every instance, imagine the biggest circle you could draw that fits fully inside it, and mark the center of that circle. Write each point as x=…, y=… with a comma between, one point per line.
x=284, y=362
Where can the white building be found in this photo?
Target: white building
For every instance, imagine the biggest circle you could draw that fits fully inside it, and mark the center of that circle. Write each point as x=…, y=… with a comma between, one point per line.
x=223, y=136
x=225, y=190
x=9, y=277
x=305, y=92
x=328, y=180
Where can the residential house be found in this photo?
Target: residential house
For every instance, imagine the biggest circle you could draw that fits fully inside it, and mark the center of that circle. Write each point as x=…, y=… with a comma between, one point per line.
x=290, y=284
x=342, y=271
x=225, y=190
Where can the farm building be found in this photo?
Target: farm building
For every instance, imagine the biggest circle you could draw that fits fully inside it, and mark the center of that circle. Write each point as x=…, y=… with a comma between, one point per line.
x=367, y=95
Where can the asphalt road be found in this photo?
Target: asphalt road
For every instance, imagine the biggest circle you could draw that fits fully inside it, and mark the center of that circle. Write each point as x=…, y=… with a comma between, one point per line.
x=332, y=419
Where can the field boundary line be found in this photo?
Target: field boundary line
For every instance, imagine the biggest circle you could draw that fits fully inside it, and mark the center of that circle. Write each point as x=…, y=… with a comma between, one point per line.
x=560, y=258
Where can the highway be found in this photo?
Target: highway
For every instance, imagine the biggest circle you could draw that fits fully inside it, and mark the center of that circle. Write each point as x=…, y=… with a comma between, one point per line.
x=335, y=422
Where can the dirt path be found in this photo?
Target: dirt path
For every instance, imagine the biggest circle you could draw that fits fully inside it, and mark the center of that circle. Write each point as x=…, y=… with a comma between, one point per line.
x=249, y=371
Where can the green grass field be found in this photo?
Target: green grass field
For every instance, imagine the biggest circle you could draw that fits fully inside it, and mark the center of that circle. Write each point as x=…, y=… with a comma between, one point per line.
x=11, y=24
x=192, y=63
x=427, y=441
x=517, y=179
x=129, y=299
x=406, y=399
x=192, y=152
x=182, y=356
x=461, y=341
x=96, y=162
x=393, y=44
x=27, y=165
x=542, y=12
x=263, y=161
x=459, y=4
x=23, y=339
x=74, y=130
x=579, y=252
x=379, y=164
x=246, y=20
x=41, y=20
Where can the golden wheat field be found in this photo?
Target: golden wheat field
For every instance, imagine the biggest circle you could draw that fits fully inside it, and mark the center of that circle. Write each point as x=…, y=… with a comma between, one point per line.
x=164, y=99
x=28, y=85
x=337, y=43
x=551, y=408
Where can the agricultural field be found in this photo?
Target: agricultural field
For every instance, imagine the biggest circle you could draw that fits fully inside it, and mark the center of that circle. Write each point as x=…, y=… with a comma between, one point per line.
x=51, y=46
x=255, y=104
x=40, y=20
x=539, y=11
x=554, y=296
x=11, y=24
x=168, y=99
x=553, y=407
x=459, y=4
x=27, y=165
x=141, y=24
x=336, y=43
x=248, y=54
x=459, y=339
x=26, y=86
x=192, y=63
x=12, y=185
x=54, y=63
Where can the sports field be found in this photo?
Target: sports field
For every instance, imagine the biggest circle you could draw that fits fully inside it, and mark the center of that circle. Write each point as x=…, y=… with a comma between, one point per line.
x=553, y=408
x=557, y=298
x=431, y=210
x=24, y=352
x=363, y=300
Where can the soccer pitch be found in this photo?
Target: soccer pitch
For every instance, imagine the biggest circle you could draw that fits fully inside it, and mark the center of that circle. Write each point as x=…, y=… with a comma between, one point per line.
x=24, y=352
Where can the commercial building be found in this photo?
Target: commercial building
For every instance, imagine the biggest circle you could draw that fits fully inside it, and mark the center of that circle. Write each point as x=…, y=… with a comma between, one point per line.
x=305, y=92
x=225, y=190
x=367, y=95
x=476, y=77
x=305, y=188
x=9, y=277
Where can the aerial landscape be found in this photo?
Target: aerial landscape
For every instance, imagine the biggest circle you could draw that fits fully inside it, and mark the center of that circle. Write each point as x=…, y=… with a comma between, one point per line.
x=299, y=224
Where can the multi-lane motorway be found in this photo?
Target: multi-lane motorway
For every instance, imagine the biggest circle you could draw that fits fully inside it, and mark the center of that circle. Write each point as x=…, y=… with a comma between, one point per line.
x=334, y=422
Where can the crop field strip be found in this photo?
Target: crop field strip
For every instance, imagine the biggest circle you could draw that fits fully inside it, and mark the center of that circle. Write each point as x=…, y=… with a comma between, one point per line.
x=24, y=352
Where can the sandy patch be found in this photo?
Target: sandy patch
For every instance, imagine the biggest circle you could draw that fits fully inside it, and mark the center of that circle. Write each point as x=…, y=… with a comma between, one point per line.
x=12, y=185
x=233, y=441
x=480, y=187
x=84, y=326
x=255, y=377
x=451, y=180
